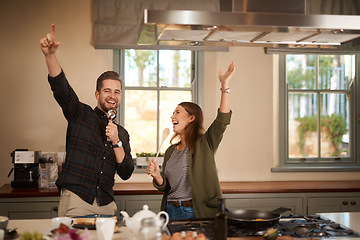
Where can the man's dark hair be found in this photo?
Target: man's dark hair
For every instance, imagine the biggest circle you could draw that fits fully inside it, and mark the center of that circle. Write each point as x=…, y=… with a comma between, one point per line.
x=107, y=75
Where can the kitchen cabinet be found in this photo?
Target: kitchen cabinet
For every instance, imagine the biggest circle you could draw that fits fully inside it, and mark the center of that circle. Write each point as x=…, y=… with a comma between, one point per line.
x=346, y=202
x=302, y=197
x=46, y=207
x=134, y=203
x=265, y=202
x=29, y=208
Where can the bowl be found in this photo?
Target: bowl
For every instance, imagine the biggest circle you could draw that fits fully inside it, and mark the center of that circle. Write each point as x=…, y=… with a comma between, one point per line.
x=4, y=222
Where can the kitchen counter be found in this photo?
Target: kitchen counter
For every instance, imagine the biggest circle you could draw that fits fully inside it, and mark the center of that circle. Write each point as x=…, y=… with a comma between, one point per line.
x=6, y=191
x=347, y=219
x=123, y=233
x=44, y=226
x=350, y=220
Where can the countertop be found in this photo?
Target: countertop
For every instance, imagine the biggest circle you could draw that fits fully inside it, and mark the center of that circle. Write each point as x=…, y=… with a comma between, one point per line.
x=350, y=220
x=123, y=233
x=227, y=188
x=44, y=226
x=347, y=219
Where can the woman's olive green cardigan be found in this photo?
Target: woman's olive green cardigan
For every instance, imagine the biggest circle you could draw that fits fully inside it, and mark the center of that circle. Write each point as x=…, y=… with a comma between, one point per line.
x=202, y=171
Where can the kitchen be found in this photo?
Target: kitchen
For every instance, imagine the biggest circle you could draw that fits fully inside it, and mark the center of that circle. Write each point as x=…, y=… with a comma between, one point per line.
x=29, y=106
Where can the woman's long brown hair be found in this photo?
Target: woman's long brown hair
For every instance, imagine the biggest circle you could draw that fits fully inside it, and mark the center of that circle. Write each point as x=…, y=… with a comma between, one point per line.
x=195, y=128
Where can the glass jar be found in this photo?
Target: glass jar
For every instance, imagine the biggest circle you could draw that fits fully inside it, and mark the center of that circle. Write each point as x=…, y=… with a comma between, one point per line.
x=150, y=229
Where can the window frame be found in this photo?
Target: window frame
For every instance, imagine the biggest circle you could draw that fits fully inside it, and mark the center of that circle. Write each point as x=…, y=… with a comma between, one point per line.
x=197, y=84
x=297, y=166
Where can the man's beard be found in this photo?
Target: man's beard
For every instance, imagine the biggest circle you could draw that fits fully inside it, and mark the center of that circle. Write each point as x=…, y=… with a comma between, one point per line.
x=106, y=109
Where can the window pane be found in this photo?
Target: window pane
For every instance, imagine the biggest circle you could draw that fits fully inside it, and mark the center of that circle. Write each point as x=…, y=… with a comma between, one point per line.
x=140, y=68
x=300, y=71
x=175, y=68
x=319, y=90
x=141, y=120
x=168, y=102
x=332, y=72
x=303, y=125
x=334, y=125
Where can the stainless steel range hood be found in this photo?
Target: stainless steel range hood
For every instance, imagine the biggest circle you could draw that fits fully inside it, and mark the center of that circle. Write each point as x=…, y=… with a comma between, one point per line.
x=273, y=24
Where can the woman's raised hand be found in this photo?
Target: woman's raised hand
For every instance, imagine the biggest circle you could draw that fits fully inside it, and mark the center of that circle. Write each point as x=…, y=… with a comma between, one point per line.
x=225, y=78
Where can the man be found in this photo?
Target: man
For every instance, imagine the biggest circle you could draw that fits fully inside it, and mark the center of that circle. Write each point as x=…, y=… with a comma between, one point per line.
x=96, y=147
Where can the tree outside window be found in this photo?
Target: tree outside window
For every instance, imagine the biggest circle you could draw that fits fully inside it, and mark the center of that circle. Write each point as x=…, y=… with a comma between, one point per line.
x=155, y=81
x=319, y=93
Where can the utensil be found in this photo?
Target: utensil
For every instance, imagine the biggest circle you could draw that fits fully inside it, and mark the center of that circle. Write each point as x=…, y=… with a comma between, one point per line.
x=253, y=219
x=165, y=134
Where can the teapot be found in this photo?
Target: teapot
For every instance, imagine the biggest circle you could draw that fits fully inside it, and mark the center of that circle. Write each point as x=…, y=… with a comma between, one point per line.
x=134, y=223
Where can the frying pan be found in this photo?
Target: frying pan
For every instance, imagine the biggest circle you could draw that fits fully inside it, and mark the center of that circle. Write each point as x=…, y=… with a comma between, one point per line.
x=253, y=219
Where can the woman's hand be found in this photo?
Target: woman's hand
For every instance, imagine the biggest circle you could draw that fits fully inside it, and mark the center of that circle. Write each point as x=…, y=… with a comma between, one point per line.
x=225, y=90
x=154, y=171
x=225, y=78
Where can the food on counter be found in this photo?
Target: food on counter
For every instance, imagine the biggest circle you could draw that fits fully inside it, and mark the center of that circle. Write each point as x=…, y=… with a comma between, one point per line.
x=271, y=234
x=31, y=236
x=62, y=229
x=85, y=221
x=190, y=235
x=89, y=221
x=64, y=233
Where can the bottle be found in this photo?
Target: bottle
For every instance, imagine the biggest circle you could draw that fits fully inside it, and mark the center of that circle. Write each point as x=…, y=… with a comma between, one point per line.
x=221, y=221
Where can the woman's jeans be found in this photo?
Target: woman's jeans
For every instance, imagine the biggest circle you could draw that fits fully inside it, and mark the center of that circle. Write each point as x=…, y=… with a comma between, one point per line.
x=179, y=212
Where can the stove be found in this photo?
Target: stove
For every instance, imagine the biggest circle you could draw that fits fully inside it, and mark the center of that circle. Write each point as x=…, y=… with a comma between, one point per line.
x=309, y=226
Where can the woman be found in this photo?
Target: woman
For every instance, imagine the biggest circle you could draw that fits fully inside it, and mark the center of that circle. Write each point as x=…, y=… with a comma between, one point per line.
x=189, y=177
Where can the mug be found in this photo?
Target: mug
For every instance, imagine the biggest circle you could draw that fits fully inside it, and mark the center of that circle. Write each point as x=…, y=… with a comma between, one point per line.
x=55, y=222
x=105, y=228
x=4, y=222
x=2, y=234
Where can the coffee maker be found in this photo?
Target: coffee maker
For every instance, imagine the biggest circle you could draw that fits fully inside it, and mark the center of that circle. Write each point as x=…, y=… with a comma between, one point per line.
x=26, y=168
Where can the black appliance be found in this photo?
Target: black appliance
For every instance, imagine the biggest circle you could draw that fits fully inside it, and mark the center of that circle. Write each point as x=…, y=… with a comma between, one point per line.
x=26, y=168
x=296, y=226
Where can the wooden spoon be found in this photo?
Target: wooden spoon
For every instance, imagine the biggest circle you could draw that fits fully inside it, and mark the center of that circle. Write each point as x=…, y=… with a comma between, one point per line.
x=165, y=134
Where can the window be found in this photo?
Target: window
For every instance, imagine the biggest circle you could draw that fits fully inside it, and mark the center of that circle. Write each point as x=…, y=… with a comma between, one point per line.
x=318, y=109
x=154, y=83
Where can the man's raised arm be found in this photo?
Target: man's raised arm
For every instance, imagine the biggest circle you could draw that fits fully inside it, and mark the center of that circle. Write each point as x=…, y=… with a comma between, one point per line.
x=49, y=46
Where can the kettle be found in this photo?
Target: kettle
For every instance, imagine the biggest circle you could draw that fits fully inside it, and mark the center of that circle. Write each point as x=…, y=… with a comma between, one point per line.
x=134, y=223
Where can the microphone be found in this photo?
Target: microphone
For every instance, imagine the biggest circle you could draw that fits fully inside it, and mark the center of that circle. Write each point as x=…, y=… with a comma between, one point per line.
x=112, y=115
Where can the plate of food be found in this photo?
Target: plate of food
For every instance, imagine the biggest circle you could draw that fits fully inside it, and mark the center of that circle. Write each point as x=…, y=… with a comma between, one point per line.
x=89, y=221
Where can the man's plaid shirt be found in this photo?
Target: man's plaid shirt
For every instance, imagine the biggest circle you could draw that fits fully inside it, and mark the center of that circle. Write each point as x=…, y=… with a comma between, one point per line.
x=90, y=163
